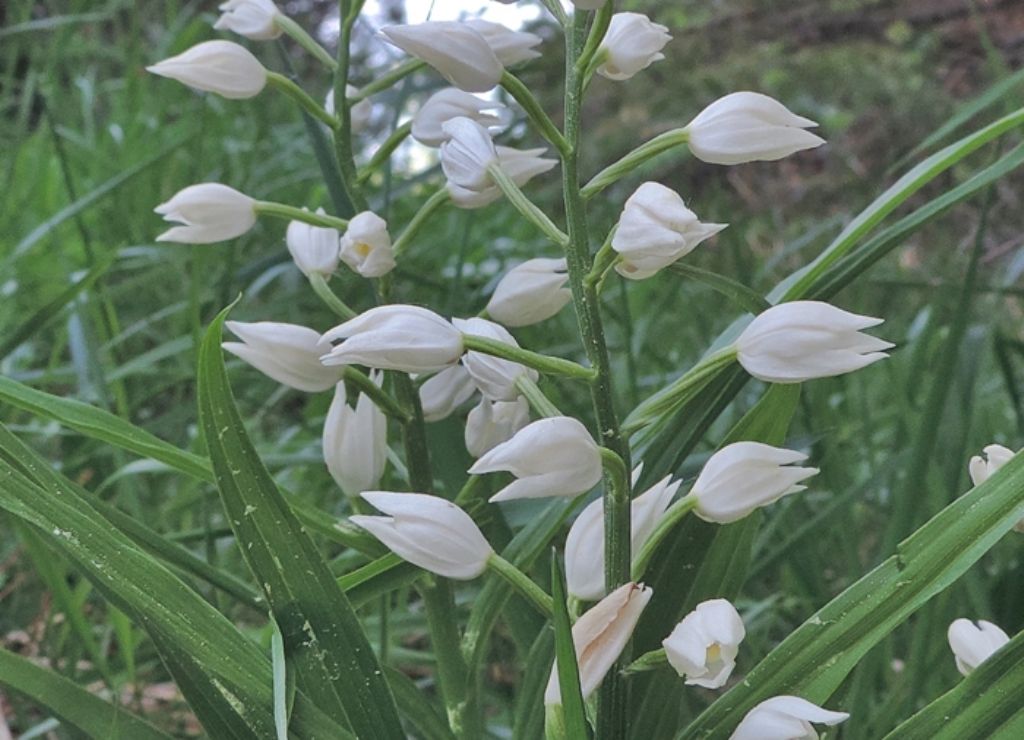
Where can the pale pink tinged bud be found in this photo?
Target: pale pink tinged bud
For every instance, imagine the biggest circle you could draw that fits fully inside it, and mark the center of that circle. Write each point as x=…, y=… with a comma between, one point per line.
x=494, y=377
x=490, y=423
x=208, y=212
x=355, y=442
x=457, y=51
x=442, y=394
x=530, y=292
x=287, y=353
x=313, y=248
x=785, y=718
x=972, y=643
x=366, y=246
x=221, y=67
x=632, y=43
x=254, y=19
x=703, y=646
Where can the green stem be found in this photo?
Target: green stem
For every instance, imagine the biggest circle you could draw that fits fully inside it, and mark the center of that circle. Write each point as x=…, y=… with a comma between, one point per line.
x=544, y=363
x=343, y=107
x=647, y=662
x=433, y=203
x=604, y=260
x=319, y=284
x=675, y=514
x=602, y=20
x=303, y=39
x=522, y=95
x=300, y=96
x=439, y=603
x=384, y=151
x=611, y=720
x=388, y=79
x=538, y=401
x=521, y=583
x=384, y=401
x=646, y=151
x=555, y=6
x=280, y=210
x=526, y=206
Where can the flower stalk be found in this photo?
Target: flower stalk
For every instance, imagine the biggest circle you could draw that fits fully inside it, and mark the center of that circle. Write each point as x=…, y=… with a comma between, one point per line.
x=300, y=36
x=291, y=213
x=675, y=514
x=543, y=363
x=300, y=96
x=522, y=95
x=526, y=206
x=318, y=282
x=522, y=583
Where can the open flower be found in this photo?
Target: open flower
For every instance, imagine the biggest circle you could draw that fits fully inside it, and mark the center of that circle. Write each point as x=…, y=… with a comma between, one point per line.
x=632, y=43
x=973, y=643
x=458, y=51
x=366, y=245
x=656, y=229
x=254, y=19
x=803, y=340
x=703, y=646
x=530, y=292
x=314, y=248
x=287, y=353
x=490, y=423
x=443, y=106
x=221, y=67
x=600, y=636
x=208, y=212
x=745, y=476
x=549, y=457
x=429, y=532
x=584, y=547
x=355, y=442
x=749, y=127
x=494, y=377
x=395, y=337
x=785, y=718
x=445, y=392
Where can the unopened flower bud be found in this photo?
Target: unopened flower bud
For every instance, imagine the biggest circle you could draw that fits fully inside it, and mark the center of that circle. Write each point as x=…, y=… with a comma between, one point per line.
x=395, y=337
x=313, y=248
x=631, y=44
x=745, y=476
x=530, y=292
x=749, y=127
x=703, y=646
x=355, y=442
x=494, y=377
x=785, y=718
x=600, y=636
x=803, y=340
x=511, y=47
x=656, y=229
x=973, y=643
x=221, y=67
x=443, y=106
x=549, y=457
x=254, y=19
x=208, y=212
x=429, y=532
x=366, y=245
x=287, y=353
x=459, y=52
x=445, y=392
x=490, y=423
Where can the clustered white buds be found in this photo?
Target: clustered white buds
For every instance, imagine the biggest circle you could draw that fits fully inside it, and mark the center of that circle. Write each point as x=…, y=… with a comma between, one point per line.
x=785, y=718
x=490, y=423
x=494, y=377
x=656, y=229
x=395, y=337
x=287, y=353
x=745, y=476
x=549, y=457
x=313, y=248
x=254, y=19
x=530, y=292
x=441, y=394
x=366, y=245
x=973, y=643
x=458, y=52
x=703, y=646
x=443, y=106
x=360, y=113
x=633, y=43
x=221, y=67
x=429, y=532
x=600, y=635
x=208, y=212
x=802, y=340
x=584, y=547
x=355, y=442
x=748, y=127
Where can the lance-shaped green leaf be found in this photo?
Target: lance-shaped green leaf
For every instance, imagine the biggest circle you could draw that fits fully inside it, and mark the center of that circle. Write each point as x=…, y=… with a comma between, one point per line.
x=815, y=659
x=987, y=703
x=333, y=661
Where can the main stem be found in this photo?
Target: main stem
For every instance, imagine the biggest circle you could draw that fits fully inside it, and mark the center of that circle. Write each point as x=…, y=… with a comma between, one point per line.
x=611, y=719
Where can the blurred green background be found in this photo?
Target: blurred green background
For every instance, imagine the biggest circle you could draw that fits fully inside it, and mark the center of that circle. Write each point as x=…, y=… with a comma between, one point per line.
x=92, y=308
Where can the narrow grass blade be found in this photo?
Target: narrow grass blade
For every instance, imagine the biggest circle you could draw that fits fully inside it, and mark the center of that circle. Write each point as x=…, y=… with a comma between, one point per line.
x=573, y=712
x=333, y=660
x=736, y=292
x=284, y=683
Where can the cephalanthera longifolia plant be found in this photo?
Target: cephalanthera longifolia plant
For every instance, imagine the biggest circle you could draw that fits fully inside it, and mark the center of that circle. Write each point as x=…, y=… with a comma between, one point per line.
x=644, y=600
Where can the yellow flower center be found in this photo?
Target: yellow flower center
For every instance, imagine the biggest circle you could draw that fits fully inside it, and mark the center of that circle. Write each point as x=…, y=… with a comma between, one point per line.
x=362, y=249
